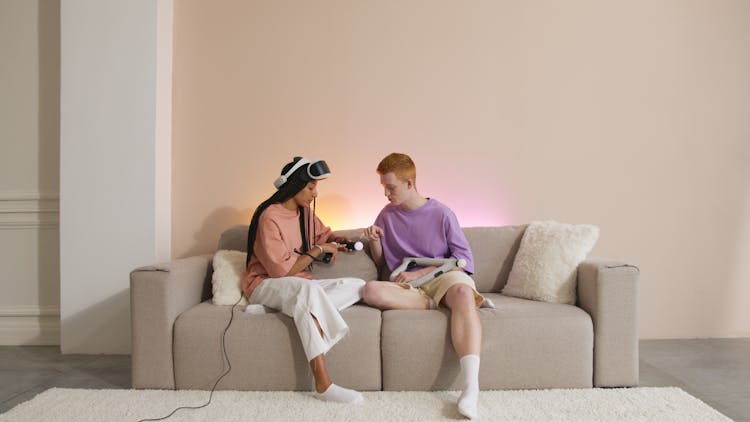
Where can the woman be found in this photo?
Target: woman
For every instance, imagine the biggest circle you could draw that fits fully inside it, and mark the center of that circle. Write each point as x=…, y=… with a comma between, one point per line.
x=284, y=239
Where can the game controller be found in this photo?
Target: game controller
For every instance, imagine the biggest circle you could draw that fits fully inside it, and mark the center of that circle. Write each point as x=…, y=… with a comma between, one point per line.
x=350, y=246
x=353, y=246
x=443, y=265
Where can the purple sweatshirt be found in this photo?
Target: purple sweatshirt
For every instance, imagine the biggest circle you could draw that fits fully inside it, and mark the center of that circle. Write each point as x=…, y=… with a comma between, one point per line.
x=430, y=231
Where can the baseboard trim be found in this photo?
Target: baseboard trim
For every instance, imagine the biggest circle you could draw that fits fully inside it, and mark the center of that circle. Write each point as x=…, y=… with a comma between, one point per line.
x=29, y=325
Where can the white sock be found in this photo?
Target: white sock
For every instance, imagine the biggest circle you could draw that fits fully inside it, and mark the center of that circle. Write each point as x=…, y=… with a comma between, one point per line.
x=467, y=402
x=341, y=395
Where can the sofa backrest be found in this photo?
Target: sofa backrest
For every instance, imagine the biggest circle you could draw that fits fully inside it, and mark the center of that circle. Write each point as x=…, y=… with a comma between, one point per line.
x=494, y=249
x=356, y=264
x=234, y=239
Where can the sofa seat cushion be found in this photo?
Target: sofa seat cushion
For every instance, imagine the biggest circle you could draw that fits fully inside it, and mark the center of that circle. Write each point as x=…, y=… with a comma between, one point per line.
x=266, y=353
x=526, y=344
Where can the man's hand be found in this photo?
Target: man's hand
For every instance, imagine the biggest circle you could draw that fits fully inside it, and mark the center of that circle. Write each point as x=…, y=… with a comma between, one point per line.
x=373, y=233
x=406, y=277
x=409, y=276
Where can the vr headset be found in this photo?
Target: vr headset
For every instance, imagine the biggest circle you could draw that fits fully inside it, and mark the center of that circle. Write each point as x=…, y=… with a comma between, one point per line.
x=316, y=170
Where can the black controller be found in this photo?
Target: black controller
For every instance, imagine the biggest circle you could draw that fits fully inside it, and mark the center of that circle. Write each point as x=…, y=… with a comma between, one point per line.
x=350, y=246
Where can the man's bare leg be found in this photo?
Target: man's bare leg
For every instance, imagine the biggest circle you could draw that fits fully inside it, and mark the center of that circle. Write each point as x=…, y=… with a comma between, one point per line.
x=466, y=330
x=466, y=334
x=389, y=295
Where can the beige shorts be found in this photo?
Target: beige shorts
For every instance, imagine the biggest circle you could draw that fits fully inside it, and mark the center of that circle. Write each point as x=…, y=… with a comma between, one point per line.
x=436, y=288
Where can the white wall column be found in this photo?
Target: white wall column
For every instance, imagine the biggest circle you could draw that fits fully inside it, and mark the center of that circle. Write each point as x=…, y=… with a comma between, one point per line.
x=114, y=162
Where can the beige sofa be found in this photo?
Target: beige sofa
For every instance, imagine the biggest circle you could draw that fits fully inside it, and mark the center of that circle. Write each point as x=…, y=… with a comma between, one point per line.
x=176, y=330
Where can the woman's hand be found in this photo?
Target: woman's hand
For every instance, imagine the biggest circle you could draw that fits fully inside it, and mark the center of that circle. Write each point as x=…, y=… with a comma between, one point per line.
x=339, y=239
x=330, y=247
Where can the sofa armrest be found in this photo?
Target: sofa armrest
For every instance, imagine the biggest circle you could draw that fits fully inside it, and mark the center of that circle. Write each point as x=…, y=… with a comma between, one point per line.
x=608, y=291
x=158, y=295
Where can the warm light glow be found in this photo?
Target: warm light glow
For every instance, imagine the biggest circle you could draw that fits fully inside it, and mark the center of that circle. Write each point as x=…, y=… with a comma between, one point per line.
x=341, y=212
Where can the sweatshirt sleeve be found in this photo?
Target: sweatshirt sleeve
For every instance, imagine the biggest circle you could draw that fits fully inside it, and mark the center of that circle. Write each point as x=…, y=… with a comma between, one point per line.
x=322, y=232
x=457, y=242
x=271, y=250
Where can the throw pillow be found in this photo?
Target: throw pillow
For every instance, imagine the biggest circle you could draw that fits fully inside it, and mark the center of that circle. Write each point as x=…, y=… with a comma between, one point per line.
x=546, y=265
x=228, y=269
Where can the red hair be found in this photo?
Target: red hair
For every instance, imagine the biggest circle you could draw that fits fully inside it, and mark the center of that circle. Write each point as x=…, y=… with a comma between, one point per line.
x=400, y=164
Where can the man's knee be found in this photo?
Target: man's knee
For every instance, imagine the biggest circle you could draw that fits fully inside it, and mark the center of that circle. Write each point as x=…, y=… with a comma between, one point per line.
x=371, y=293
x=460, y=295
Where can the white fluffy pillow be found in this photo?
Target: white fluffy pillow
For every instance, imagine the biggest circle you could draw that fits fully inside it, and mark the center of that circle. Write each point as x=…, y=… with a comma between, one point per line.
x=546, y=265
x=228, y=269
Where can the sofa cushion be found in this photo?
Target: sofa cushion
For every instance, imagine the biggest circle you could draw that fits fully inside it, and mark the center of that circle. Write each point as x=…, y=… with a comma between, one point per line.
x=227, y=277
x=493, y=249
x=234, y=238
x=266, y=353
x=545, y=266
x=526, y=344
x=348, y=264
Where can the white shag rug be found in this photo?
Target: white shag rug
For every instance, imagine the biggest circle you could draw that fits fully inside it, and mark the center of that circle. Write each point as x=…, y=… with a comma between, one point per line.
x=594, y=404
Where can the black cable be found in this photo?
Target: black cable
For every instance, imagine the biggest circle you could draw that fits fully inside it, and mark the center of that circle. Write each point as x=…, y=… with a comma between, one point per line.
x=229, y=368
x=305, y=248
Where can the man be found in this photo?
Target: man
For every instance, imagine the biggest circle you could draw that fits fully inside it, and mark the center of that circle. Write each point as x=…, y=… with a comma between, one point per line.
x=414, y=226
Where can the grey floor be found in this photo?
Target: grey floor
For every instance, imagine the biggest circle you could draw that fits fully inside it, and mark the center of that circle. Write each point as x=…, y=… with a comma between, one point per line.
x=717, y=371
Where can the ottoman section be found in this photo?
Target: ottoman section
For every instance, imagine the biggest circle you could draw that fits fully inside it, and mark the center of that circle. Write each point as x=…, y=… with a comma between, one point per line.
x=265, y=351
x=526, y=344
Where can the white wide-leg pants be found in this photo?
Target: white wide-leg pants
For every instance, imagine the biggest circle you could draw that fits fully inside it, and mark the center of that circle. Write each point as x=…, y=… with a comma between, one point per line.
x=301, y=299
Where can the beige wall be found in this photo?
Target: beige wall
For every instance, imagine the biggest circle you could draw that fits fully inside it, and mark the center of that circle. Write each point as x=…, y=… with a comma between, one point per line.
x=29, y=153
x=628, y=115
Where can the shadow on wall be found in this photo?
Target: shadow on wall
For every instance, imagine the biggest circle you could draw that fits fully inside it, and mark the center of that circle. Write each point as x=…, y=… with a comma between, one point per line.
x=207, y=237
x=101, y=328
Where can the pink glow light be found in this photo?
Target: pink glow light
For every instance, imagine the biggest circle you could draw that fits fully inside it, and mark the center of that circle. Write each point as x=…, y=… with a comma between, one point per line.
x=342, y=214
